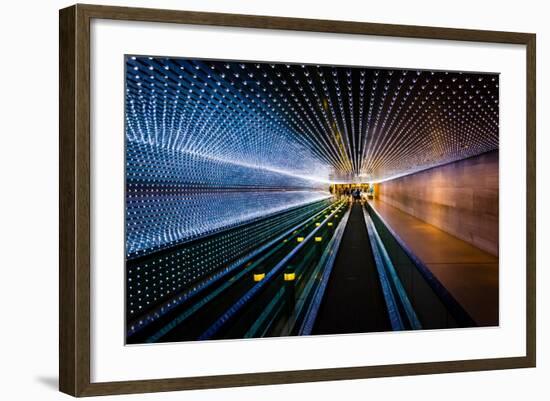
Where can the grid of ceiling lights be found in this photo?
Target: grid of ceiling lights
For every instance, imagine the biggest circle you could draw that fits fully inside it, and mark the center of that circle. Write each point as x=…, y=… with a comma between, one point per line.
x=193, y=125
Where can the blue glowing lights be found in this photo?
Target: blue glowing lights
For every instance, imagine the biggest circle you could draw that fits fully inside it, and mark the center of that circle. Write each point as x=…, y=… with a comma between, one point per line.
x=212, y=144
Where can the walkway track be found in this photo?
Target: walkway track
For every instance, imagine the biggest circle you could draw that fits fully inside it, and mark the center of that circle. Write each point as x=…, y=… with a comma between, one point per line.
x=354, y=302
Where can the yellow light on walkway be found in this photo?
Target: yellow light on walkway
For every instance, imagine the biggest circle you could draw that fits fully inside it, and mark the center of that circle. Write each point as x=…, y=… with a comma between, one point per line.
x=317, y=224
x=259, y=276
x=300, y=239
x=289, y=276
x=318, y=239
x=329, y=224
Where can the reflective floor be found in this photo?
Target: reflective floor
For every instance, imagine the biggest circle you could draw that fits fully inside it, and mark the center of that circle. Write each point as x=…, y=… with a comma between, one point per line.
x=469, y=273
x=330, y=268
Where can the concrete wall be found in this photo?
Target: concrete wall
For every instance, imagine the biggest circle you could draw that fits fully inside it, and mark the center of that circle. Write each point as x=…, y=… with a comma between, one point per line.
x=460, y=198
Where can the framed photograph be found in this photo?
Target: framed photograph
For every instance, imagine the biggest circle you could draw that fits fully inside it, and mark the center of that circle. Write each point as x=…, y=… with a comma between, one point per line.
x=250, y=200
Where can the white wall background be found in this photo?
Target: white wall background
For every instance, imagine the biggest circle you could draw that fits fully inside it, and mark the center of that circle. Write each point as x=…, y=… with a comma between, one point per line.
x=29, y=185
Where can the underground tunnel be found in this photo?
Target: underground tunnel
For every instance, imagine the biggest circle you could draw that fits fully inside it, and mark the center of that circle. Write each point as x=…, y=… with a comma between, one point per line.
x=273, y=199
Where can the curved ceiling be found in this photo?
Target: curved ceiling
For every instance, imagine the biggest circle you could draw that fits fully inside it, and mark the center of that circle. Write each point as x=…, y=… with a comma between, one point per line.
x=317, y=122
x=213, y=144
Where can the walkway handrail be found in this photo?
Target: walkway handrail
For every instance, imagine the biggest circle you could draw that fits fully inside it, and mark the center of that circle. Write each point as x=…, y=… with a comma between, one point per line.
x=172, y=303
x=384, y=264
x=311, y=315
x=456, y=310
x=237, y=306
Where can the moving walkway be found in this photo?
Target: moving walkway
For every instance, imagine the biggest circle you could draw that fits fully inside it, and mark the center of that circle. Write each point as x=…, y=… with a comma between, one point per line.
x=332, y=268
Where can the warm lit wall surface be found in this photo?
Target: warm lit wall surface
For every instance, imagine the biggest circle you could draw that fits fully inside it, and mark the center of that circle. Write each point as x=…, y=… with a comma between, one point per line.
x=467, y=272
x=460, y=198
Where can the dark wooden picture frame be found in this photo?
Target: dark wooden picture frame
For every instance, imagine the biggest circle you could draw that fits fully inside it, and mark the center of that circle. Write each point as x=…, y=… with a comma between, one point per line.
x=74, y=203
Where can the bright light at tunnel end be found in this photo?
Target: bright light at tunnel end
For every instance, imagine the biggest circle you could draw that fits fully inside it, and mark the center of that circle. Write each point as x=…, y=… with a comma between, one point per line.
x=255, y=134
